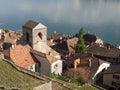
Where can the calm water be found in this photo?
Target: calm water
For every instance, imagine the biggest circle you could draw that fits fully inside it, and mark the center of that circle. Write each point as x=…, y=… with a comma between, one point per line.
x=101, y=17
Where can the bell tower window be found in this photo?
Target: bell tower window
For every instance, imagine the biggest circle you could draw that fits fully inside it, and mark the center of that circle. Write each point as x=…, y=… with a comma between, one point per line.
x=27, y=36
x=39, y=36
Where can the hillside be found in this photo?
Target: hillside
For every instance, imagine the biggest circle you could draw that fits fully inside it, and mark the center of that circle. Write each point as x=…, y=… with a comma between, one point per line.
x=10, y=77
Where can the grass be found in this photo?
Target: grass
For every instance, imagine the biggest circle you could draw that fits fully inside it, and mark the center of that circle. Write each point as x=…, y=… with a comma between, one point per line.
x=10, y=77
x=88, y=87
x=73, y=84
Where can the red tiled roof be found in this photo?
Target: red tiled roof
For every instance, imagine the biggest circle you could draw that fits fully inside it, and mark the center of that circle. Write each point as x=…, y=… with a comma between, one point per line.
x=20, y=55
x=68, y=45
x=49, y=58
x=6, y=52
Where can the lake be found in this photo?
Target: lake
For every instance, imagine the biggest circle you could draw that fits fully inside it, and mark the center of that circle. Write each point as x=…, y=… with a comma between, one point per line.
x=100, y=17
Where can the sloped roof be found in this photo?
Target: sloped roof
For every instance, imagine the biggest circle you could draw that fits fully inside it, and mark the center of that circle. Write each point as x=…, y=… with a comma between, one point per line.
x=102, y=51
x=11, y=37
x=112, y=69
x=68, y=45
x=13, y=34
x=38, y=53
x=56, y=36
x=71, y=44
x=49, y=43
x=49, y=58
x=87, y=63
x=20, y=55
x=90, y=37
x=30, y=24
x=94, y=66
x=50, y=50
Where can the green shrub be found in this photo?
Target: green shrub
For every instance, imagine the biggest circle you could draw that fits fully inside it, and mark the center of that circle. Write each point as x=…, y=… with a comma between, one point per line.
x=7, y=30
x=52, y=75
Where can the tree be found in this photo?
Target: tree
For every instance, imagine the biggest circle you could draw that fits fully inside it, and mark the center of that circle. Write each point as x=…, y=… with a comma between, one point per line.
x=80, y=46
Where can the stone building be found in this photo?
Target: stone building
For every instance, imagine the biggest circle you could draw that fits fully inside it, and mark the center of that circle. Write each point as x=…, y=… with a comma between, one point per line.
x=111, y=77
x=35, y=34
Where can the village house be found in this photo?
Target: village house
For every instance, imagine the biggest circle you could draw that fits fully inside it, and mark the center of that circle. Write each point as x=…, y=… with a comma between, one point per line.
x=84, y=64
x=56, y=38
x=90, y=38
x=20, y=54
x=66, y=47
x=111, y=55
x=47, y=64
x=111, y=78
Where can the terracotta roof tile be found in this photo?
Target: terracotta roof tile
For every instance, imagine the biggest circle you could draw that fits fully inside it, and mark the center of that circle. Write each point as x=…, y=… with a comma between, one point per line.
x=51, y=51
x=20, y=55
x=68, y=45
x=38, y=53
x=51, y=59
x=48, y=57
x=71, y=44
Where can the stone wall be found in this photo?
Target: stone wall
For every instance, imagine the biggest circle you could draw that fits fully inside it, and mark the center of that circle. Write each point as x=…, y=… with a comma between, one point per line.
x=46, y=86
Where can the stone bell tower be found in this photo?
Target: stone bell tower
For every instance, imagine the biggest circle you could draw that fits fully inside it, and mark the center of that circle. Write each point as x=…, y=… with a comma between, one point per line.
x=35, y=34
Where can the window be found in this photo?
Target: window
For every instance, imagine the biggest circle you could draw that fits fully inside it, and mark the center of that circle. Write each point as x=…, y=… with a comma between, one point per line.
x=115, y=84
x=116, y=77
x=40, y=35
x=31, y=67
x=56, y=65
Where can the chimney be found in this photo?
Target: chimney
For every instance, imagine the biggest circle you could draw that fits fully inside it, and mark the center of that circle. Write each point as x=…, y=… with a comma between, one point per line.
x=108, y=47
x=92, y=55
x=14, y=44
x=89, y=62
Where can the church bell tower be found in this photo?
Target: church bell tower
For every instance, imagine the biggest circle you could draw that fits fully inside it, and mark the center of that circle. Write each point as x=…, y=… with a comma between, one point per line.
x=36, y=35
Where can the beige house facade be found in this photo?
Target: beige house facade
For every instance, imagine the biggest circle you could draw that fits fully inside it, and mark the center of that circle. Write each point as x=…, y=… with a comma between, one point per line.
x=111, y=77
x=47, y=64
